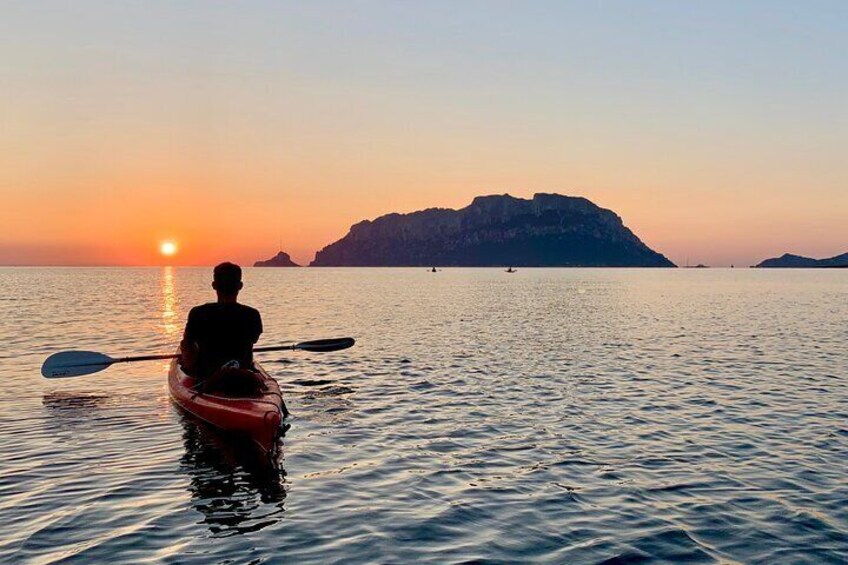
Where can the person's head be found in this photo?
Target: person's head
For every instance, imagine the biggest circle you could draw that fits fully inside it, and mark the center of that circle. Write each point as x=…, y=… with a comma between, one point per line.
x=226, y=279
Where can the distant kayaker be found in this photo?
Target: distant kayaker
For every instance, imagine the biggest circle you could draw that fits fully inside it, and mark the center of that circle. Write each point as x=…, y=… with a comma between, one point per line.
x=217, y=345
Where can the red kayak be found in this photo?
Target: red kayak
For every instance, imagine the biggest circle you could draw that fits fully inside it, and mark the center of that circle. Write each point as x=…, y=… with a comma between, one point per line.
x=258, y=417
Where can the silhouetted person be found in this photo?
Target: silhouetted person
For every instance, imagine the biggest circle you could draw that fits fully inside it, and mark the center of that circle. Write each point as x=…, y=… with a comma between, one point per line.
x=217, y=345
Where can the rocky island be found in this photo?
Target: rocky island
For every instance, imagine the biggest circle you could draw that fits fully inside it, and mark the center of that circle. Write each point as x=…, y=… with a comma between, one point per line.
x=549, y=230
x=281, y=259
x=789, y=261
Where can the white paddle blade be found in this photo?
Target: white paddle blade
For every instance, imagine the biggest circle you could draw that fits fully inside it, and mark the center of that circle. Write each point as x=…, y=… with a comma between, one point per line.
x=74, y=363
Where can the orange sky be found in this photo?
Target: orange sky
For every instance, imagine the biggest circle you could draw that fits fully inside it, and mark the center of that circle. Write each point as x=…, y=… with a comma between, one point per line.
x=718, y=134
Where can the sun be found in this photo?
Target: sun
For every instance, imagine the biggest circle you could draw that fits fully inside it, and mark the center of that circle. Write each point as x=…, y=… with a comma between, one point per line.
x=168, y=248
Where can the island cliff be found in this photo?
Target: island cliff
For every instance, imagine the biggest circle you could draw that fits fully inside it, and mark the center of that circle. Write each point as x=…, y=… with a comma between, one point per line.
x=549, y=230
x=789, y=261
x=281, y=259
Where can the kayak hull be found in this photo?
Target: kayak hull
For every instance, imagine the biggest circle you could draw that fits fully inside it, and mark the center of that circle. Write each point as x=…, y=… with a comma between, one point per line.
x=258, y=418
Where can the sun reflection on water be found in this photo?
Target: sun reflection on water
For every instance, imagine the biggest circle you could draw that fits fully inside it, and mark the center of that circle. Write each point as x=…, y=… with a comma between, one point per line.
x=170, y=305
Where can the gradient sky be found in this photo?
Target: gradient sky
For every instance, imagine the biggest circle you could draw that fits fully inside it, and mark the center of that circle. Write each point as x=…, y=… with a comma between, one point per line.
x=717, y=130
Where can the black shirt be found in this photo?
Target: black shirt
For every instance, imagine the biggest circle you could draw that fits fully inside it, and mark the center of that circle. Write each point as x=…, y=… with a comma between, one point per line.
x=223, y=332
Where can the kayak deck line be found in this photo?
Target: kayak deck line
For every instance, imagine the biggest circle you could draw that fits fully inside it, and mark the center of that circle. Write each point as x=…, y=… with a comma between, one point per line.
x=240, y=398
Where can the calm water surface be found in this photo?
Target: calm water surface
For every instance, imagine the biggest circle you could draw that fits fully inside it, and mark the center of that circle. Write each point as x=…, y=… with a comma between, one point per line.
x=556, y=416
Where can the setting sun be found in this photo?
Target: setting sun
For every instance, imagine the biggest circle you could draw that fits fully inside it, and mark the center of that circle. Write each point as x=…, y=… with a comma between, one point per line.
x=168, y=248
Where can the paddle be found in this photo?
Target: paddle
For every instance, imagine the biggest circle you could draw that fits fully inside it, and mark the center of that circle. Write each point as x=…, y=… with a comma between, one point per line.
x=77, y=363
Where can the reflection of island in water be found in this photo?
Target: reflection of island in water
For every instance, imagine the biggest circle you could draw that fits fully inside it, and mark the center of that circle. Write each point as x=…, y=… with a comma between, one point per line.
x=236, y=488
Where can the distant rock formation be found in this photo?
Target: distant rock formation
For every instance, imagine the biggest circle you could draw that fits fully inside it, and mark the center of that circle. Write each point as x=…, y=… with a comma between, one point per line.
x=281, y=259
x=550, y=230
x=789, y=261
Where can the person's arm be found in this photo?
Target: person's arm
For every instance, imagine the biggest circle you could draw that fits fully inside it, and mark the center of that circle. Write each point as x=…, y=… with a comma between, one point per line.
x=188, y=346
x=257, y=331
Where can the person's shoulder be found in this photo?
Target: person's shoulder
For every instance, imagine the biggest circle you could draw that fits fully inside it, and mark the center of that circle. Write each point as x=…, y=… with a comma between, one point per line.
x=249, y=310
x=202, y=309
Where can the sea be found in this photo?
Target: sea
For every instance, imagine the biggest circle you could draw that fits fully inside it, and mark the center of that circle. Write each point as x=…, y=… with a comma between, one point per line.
x=545, y=416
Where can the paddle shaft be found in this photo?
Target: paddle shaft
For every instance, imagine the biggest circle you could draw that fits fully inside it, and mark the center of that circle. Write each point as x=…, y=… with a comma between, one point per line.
x=146, y=358
x=175, y=355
